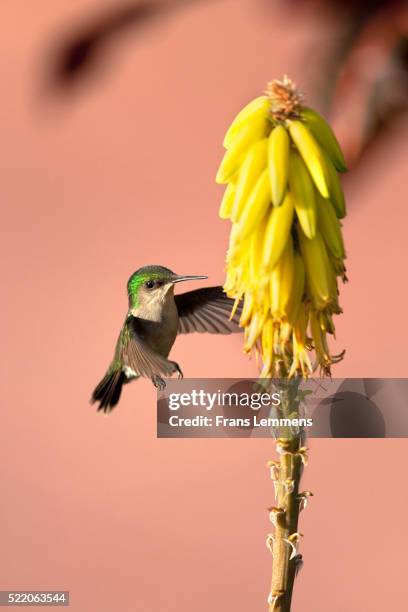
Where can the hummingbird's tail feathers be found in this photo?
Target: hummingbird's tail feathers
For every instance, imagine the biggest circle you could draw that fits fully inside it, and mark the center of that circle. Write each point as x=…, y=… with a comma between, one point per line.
x=108, y=391
x=207, y=310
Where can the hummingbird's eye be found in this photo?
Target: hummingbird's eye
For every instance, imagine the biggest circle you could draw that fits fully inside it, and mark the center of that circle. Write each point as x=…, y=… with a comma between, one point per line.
x=150, y=284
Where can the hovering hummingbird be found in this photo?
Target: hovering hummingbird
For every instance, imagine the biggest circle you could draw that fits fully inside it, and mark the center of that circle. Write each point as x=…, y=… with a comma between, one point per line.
x=154, y=319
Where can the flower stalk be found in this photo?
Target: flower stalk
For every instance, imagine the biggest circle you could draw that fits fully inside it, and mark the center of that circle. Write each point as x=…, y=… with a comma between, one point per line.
x=285, y=256
x=289, y=502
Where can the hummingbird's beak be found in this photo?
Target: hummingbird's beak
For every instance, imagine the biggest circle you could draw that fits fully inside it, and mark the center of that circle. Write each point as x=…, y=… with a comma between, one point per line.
x=179, y=279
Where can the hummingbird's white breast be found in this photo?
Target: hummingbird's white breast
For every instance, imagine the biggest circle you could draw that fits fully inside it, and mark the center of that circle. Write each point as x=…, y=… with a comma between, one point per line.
x=159, y=319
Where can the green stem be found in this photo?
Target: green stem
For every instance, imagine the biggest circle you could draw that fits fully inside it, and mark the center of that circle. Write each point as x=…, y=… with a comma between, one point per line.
x=285, y=513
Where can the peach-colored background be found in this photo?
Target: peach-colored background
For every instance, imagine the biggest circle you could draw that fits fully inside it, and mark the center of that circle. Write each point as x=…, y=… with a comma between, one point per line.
x=119, y=174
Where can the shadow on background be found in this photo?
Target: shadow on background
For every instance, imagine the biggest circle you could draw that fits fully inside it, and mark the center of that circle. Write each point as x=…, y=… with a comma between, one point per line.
x=77, y=56
x=84, y=50
x=361, y=103
x=351, y=415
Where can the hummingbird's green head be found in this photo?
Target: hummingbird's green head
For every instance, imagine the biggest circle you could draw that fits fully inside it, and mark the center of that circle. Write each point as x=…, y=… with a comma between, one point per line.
x=151, y=284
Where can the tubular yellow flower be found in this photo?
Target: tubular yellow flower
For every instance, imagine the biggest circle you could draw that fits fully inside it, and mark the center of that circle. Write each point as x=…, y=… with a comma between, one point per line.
x=282, y=282
x=312, y=155
x=286, y=250
x=330, y=227
x=255, y=108
x=227, y=201
x=248, y=134
x=255, y=207
x=317, y=268
x=255, y=255
x=278, y=163
x=277, y=233
x=325, y=137
x=304, y=197
x=252, y=167
x=295, y=302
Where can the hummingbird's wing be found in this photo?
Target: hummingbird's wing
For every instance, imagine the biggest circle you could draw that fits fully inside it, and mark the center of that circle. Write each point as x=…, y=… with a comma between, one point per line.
x=133, y=358
x=207, y=310
x=137, y=354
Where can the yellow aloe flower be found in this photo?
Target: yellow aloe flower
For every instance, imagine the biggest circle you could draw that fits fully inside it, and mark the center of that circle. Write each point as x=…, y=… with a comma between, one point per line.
x=286, y=251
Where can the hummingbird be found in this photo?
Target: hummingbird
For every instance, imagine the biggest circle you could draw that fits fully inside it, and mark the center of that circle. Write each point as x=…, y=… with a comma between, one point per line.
x=154, y=318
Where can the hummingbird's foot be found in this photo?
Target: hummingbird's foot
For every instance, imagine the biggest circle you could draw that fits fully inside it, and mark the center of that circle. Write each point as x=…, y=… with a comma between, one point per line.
x=178, y=370
x=159, y=383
